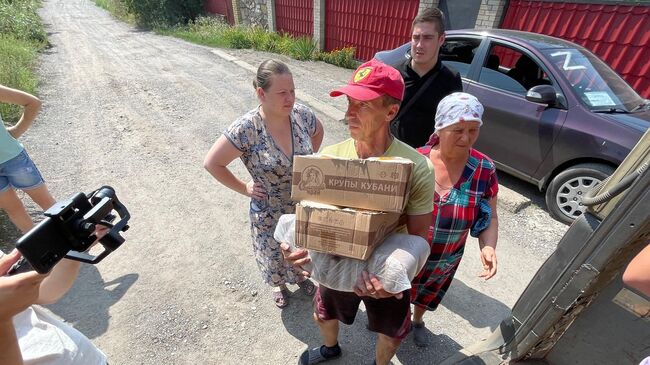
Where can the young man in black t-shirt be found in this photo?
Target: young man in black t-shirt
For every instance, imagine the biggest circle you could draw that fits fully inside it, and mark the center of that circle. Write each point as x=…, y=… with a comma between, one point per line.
x=416, y=122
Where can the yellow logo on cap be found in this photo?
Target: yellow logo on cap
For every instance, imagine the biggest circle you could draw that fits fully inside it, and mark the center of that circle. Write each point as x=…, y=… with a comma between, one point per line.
x=362, y=74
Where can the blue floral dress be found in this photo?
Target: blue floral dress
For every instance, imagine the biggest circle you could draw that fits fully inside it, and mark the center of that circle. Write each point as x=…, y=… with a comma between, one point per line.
x=271, y=167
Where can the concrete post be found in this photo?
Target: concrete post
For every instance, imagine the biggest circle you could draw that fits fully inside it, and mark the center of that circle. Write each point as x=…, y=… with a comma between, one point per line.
x=270, y=12
x=236, y=13
x=424, y=4
x=319, y=23
x=490, y=14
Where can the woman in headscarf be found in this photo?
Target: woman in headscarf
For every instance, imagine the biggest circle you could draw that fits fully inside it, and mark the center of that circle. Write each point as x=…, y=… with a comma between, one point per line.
x=465, y=199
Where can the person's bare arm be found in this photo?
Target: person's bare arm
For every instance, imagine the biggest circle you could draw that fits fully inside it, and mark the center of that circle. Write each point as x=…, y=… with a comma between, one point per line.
x=637, y=273
x=216, y=161
x=9, y=348
x=58, y=282
x=17, y=292
x=296, y=258
x=317, y=138
x=30, y=103
x=487, y=241
x=63, y=275
x=418, y=225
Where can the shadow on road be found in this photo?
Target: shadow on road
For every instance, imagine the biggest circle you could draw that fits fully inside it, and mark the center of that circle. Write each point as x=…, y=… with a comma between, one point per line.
x=297, y=319
x=86, y=305
x=357, y=342
x=8, y=232
x=477, y=308
x=529, y=191
x=440, y=347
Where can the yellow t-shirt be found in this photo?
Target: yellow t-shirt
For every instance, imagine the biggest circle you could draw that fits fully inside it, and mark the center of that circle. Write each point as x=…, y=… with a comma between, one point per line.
x=422, y=179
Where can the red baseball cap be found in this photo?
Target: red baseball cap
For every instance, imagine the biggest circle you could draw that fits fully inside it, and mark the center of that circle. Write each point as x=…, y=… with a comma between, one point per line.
x=372, y=80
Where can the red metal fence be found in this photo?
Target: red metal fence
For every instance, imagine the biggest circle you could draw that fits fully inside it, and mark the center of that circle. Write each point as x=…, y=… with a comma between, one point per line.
x=371, y=26
x=618, y=34
x=295, y=17
x=221, y=7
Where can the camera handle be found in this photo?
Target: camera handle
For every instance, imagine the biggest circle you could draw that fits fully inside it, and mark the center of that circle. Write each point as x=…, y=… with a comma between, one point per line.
x=104, y=201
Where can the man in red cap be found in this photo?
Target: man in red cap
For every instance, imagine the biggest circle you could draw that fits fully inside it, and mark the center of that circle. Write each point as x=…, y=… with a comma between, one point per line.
x=374, y=94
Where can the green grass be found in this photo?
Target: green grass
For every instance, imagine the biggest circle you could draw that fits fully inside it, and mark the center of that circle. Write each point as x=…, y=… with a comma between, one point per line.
x=343, y=57
x=117, y=8
x=213, y=32
x=19, y=19
x=302, y=48
x=22, y=36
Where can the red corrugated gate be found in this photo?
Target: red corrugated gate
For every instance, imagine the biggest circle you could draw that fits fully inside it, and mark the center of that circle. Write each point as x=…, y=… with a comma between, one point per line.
x=371, y=26
x=221, y=7
x=295, y=17
x=618, y=34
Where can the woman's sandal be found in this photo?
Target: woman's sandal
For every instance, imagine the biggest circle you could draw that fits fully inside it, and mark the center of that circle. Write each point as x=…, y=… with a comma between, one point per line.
x=419, y=334
x=281, y=298
x=307, y=287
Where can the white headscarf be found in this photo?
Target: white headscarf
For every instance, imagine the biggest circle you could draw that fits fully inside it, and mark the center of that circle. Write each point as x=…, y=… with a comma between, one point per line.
x=458, y=107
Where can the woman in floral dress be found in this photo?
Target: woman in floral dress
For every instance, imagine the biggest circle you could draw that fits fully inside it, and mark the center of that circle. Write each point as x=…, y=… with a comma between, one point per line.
x=465, y=199
x=266, y=139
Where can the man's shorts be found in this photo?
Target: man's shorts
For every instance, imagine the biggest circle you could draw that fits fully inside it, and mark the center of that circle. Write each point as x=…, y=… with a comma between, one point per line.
x=19, y=173
x=389, y=316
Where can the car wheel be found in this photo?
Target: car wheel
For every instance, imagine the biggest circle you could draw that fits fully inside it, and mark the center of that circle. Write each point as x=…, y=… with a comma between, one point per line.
x=564, y=193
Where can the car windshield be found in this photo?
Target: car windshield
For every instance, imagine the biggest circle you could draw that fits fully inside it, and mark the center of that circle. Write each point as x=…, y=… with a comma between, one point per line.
x=599, y=87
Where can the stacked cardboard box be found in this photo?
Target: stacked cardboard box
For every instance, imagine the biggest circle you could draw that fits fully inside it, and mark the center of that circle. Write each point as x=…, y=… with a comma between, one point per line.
x=348, y=206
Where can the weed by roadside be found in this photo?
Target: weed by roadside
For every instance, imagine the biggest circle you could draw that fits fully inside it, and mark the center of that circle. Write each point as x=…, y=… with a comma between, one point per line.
x=211, y=31
x=118, y=9
x=22, y=35
x=343, y=57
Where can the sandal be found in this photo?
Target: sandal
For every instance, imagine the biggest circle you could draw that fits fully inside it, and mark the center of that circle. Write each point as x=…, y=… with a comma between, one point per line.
x=420, y=335
x=315, y=356
x=307, y=287
x=281, y=298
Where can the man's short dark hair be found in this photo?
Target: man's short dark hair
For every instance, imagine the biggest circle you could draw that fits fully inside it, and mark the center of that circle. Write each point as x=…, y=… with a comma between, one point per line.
x=431, y=15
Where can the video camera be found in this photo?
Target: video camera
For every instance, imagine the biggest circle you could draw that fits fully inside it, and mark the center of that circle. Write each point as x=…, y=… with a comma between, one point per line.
x=68, y=230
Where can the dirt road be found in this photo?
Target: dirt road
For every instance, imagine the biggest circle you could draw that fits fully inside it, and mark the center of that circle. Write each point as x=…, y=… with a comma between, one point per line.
x=138, y=111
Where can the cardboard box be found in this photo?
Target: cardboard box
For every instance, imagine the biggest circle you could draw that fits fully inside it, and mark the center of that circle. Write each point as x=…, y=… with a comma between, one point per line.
x=379, y=183
x=342, y=231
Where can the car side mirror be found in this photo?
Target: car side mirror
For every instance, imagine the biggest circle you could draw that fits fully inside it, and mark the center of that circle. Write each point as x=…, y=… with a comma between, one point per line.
x=543, y=94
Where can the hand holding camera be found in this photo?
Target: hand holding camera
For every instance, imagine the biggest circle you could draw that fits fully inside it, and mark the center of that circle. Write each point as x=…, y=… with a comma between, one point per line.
x=72, y=227
x=16, y=292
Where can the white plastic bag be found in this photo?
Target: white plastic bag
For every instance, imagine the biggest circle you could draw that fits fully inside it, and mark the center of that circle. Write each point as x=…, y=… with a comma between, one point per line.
x=395, y=262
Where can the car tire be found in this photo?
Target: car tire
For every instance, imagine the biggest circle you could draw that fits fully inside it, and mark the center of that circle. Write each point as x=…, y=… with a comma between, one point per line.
x=563, y=194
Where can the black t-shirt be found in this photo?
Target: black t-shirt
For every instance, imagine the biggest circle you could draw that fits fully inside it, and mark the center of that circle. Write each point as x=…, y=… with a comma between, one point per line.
x=417, y=123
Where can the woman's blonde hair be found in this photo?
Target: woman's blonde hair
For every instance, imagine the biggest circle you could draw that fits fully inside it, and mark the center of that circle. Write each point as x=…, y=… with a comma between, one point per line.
x=267, y=69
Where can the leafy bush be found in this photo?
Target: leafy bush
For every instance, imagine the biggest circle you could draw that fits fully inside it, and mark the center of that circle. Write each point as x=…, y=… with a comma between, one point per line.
x=164, y=13
x=236, y=37
x=302, y=48
x=259, y=38
x=19, y=19
x=343, y=57
x=16, y=70
x=274, y=43
x=22, y=35
x=117, y=8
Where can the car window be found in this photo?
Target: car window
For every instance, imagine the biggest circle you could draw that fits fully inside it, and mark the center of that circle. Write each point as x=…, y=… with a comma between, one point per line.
x=597, y=85
x=459, y=53
x=501, y=81
x=462, y=68
x=511, y=70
